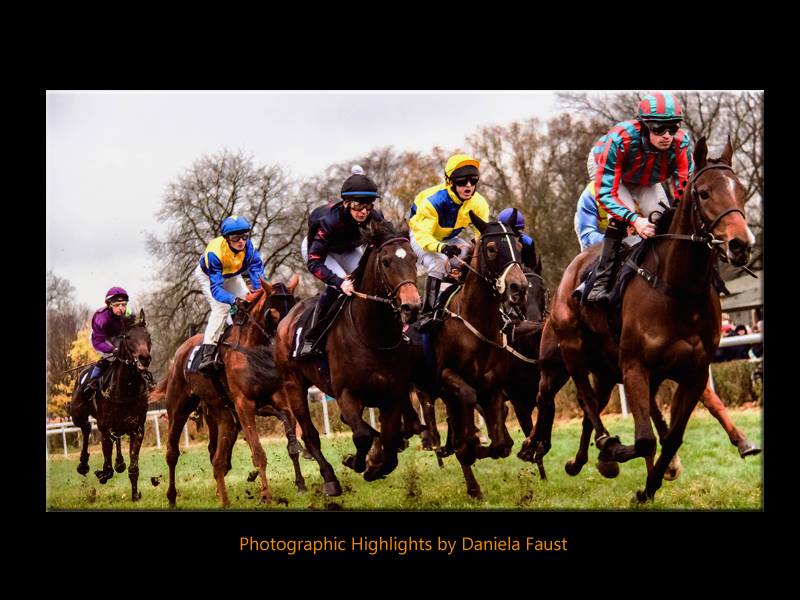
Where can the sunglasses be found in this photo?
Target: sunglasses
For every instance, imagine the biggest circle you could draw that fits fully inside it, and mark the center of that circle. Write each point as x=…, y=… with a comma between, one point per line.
x=462, y=181
x=239, y=237
x=662, y=129
x=360, y=206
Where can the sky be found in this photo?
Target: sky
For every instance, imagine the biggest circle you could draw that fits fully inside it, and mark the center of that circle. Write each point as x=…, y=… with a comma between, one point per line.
x=111, y=155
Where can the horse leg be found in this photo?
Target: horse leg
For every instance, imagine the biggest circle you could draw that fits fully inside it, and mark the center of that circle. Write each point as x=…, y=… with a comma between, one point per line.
x=107, y=472
x=460, y=400
x=246, y=411
x=351, y=409
x=86, y=431
x=501, y=442
x=119, y=462
x=605, y=385
x=133, y=470
x=227, y=430
x=293, y=447
x=636, y=380
x=179, y=407
x=715, y=406
x=674, y=468
x=683, y=404
x=391, y=439
x=294, y=393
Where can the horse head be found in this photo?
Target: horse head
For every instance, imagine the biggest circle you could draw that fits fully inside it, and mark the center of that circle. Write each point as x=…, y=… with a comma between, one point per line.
x=395, y=267
x=719, y=197
x=498, y=254
x=136, y=344
x=536, y=303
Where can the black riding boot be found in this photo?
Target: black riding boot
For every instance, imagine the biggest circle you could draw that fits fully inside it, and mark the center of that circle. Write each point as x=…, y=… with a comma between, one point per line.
x=429, y=297
x=606, y=270
x=208, y=363
x=319, y=321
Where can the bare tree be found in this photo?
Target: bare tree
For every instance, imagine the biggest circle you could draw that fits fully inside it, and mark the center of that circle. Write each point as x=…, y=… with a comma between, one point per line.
x=194, y=206
x=64, y=320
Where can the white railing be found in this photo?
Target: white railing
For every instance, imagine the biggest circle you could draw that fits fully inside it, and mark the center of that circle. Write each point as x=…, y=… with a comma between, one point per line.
x=69, y=427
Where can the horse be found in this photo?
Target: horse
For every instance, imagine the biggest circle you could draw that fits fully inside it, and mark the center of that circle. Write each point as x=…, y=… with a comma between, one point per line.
x=524, y=374
x=367, y=356
x=231, y=401
x=473, y=358
x=121, y=405
x=669, y=315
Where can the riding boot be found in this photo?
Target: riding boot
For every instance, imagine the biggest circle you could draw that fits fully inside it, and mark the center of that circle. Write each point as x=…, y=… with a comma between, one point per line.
x=319, y=321
x=429, y=297
x=607, y=268
x=208, y=363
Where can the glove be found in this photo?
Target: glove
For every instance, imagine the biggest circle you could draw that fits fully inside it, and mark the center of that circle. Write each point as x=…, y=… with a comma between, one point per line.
x=238, y=305
x=450, y=250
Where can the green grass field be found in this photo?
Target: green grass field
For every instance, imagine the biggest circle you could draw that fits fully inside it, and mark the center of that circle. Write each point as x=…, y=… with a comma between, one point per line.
x=713, y=477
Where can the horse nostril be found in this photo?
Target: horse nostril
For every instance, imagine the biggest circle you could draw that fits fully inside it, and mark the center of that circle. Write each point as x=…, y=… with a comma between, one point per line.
x=737, y=245
x=145, y=360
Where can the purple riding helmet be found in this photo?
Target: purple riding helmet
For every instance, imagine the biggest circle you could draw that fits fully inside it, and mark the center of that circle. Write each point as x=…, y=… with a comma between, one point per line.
x=116, y=294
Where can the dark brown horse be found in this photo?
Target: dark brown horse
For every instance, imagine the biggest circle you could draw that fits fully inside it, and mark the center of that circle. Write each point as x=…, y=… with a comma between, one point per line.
x=670, y=317
x=473, y=359
x=246, y=385
x=121, y=405
x=367, y=357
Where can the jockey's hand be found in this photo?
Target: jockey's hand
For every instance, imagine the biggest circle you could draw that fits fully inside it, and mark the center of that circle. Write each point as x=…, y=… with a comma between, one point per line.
x=347, y=287
x=238, y=305
x=644, y=227
x=451, y=250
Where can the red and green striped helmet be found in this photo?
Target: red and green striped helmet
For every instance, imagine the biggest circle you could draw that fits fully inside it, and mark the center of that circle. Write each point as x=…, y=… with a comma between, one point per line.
x=661, y=107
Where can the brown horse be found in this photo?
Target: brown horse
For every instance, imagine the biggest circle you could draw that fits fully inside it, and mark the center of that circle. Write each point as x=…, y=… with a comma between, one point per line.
x=670, y=317
x=367, y=357
x=246, y=385
x=473, y=359
x=121, y=405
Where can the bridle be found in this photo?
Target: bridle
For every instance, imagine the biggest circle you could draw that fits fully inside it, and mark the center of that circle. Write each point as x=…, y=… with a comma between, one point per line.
x=389, y=293
x=495, y=279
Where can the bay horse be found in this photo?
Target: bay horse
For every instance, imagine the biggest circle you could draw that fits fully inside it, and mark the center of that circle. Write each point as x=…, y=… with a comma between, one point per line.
x=670, y=315
x=232, y=399
x=121, y=405
x=367, y=354
x=473, y=358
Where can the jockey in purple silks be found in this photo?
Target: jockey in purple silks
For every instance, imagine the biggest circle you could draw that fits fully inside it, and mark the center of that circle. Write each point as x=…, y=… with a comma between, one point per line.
x=108, y=323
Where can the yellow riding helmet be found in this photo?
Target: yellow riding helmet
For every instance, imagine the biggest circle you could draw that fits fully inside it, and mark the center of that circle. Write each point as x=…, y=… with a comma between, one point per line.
x=457, y=161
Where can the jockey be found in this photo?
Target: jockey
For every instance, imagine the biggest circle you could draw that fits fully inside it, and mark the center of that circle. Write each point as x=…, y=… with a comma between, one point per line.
x=219, y=276
x=438, y=215
x=334, y=245
x=108, y=323
x=627, y=165
x=528, y=246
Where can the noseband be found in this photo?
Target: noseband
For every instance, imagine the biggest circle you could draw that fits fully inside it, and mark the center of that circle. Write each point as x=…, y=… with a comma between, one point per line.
x=390, y=293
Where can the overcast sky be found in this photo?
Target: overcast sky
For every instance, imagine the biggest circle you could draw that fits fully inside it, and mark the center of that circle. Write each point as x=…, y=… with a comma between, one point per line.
x=110, y=156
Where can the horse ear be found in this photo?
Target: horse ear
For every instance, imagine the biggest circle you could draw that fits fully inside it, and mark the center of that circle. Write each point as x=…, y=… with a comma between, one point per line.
x=141, y=318
x=538, y=268
x=479, y=223
x=700, y=153
x=293, y=282
x=265, y=285
x=727, y=154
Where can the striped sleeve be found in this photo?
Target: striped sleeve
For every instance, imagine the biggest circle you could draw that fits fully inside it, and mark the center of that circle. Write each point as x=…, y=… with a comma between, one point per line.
x=684, y=164
x=609, y=174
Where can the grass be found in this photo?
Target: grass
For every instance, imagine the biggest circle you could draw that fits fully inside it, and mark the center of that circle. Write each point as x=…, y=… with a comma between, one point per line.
x=713, y=477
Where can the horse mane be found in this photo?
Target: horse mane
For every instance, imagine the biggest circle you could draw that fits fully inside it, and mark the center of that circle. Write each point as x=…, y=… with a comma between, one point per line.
x=376, y=234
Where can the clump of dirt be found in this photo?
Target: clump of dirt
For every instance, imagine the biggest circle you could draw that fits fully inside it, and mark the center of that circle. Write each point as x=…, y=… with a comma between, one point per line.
x=252, y=476
x=155, y=480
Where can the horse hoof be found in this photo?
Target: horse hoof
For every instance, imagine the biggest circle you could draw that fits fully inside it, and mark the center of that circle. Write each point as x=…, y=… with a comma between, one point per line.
x=477, y=494
x=748, y=448
x=120, y=467
x=674, y=469
x=641, y=497
x=102, y=476
x=608, y=469
x=573, y=467
x=332, y=488
x=307, y=455
x=373, y=474
x=83, y=469
x=301, y=487
x=137, y=496
x=352, y=462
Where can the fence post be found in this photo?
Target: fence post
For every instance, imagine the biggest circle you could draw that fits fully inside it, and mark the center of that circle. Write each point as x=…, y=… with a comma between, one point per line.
x=623, y=401
x=711, y=379
x=158, y=432
x=325, y=414
x=372, y=417
x=186, y=435
x=64, y=437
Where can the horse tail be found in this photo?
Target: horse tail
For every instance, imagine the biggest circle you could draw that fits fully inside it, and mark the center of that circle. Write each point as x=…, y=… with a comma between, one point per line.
x=160, y=391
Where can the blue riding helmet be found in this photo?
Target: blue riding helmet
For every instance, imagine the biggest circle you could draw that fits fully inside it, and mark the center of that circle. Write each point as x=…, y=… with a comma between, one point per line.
x=234, y=224
x=505, y=218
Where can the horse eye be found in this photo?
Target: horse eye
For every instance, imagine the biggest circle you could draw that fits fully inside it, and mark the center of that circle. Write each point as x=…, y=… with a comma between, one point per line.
x=704, y=195
x=385, y=262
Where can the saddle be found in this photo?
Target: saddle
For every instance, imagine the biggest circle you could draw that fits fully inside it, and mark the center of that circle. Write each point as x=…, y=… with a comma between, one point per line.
x=311, y=319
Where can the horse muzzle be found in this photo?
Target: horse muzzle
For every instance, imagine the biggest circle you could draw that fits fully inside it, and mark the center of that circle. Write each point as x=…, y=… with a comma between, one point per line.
x=409, y=312
x=517, y=294
x=739, y=252
x=144, y=360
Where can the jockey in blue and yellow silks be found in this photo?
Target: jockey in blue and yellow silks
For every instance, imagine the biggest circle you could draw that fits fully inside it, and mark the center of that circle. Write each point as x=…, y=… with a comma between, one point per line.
x=219, y=275
x=591, y=219
x=441, y=213
x=627, y=166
